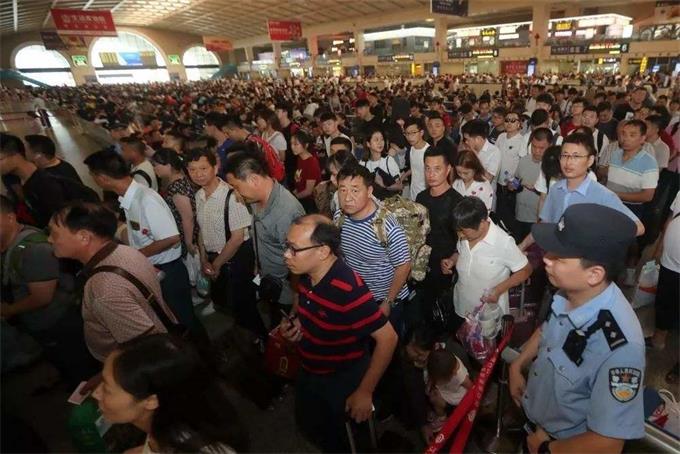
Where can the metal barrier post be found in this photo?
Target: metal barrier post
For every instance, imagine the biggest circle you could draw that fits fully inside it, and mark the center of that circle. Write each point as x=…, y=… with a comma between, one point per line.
x=492, y=444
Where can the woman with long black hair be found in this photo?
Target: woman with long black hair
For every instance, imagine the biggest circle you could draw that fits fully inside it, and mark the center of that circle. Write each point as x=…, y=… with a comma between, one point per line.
x=159, y=384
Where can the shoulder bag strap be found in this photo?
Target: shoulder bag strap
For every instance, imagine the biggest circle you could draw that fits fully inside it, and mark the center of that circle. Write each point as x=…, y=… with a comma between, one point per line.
x=148, y=295
x=255, y=241
x=227, y=229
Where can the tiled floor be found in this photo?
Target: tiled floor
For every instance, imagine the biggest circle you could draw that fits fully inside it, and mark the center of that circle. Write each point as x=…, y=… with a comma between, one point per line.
x=271, y=430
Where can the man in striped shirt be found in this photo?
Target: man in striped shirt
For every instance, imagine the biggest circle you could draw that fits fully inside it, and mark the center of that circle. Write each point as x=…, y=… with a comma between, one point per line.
x=336, y=316
x=385, y=268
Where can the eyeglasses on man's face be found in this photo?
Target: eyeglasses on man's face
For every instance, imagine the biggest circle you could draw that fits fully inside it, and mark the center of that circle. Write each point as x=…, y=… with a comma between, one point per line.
x=511, y=120
x=572, y=157
x=294, y=250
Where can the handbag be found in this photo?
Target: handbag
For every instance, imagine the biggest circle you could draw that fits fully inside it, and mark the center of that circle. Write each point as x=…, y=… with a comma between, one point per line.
x=281, y=357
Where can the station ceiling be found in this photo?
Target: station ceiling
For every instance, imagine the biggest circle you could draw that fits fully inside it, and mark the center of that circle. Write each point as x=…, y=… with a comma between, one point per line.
x=235, y=19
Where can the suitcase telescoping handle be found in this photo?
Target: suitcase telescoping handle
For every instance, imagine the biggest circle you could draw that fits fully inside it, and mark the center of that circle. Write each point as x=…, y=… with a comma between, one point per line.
x=371, y=429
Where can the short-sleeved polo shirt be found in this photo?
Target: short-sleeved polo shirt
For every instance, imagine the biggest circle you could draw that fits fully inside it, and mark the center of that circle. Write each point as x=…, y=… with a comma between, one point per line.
x=634, y=175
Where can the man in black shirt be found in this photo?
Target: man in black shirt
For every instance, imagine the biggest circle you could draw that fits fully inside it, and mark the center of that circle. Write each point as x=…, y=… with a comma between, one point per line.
x=439, y=199
x=365, y=122
x=42, y=152
x=438, y=138
x=607, y=123
x=42, y=193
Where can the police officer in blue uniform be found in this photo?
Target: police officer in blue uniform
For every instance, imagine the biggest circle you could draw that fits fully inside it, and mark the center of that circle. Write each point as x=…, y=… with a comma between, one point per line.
x=584, y=388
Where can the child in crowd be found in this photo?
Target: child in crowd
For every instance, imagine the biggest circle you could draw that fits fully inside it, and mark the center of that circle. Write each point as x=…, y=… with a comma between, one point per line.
x=447, y=380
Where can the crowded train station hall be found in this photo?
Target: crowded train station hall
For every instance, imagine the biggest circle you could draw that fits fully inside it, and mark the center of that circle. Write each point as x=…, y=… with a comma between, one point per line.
x=388, y=226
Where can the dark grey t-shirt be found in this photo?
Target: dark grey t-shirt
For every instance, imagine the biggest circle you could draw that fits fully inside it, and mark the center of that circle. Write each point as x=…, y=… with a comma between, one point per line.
x=37, y=264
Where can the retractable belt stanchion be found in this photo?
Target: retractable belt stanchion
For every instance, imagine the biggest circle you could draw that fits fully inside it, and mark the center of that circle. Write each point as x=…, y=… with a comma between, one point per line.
x=491, y=444
x=466, y=411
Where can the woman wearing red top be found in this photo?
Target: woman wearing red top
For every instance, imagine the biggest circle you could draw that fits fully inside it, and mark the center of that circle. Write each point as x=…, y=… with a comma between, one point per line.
x=307, y=172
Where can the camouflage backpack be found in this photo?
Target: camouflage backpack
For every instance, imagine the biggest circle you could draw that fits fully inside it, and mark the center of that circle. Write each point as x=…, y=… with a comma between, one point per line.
x=414, y=219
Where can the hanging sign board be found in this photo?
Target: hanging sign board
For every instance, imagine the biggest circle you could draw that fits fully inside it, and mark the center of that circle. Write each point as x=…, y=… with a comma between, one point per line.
x=217, y=44
x=83, y=23
x=283, y=30
x=449, y=7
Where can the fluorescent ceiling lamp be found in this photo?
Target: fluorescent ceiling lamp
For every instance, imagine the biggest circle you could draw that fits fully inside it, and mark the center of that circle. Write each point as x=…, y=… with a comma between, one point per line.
x=337, y=41
x=508, y=36
x=424, y=32
x=564, y=33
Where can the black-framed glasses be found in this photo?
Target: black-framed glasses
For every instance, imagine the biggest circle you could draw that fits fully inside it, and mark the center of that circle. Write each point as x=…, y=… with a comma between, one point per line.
x=294, y=250
x=511, y=120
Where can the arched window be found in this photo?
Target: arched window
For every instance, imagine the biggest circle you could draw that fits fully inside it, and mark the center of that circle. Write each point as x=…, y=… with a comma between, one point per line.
x=127, y=58
x=200, y=63
x=47, y=66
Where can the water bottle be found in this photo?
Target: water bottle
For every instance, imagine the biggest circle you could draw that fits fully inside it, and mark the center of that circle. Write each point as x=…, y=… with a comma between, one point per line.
x=83, y=428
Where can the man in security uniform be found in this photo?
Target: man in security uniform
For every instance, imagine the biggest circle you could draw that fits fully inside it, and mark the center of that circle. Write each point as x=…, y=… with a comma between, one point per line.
x=584, y=389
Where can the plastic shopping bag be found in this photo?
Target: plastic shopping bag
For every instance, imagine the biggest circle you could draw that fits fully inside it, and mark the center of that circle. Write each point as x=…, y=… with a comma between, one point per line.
x=645, y=293
x=193, y=264
x=472, y=335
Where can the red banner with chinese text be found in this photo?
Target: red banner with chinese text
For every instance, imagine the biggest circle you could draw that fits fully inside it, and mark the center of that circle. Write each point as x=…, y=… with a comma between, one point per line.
x=283, y=30
x=83, y=23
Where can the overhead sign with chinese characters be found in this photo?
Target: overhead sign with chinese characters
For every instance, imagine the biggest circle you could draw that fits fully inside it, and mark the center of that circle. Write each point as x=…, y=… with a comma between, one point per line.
x=83, y=23
x=449, y=7
x=283, y=30
x=473, y=53
x=564, y=25
x=174, y=59
x=217, y=43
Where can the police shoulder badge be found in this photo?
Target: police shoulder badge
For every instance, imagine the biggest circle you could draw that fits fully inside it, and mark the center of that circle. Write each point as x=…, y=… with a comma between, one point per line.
x=624, y=383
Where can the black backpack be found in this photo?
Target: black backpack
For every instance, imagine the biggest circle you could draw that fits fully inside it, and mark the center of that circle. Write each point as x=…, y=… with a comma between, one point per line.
x=73, y=190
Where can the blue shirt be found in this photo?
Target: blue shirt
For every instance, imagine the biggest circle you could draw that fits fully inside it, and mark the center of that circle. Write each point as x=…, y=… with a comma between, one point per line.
x=222, y=153
x=364, y=254
x=603, y=394
x=560, y=198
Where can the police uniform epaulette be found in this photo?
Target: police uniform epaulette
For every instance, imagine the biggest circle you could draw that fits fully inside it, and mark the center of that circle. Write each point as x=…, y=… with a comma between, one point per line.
x=577, y=339
x=611, y=330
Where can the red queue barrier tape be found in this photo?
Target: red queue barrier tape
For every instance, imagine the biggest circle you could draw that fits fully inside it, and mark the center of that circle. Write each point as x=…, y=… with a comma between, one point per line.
x=467, y=407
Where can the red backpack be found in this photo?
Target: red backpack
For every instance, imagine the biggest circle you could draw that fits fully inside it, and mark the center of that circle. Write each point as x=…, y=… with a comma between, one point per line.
x=276, y=169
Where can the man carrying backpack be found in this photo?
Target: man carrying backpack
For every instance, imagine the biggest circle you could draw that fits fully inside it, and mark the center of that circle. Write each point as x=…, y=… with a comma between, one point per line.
x=38, y=296
x=237, y=132
x=384, y=266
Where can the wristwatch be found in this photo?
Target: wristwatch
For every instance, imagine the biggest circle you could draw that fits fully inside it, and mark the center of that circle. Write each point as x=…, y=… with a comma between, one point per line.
x=389, y=302
x=544, y=448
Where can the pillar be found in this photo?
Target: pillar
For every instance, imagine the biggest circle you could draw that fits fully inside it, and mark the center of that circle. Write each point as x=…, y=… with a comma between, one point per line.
x=359, y=46
x=539, y=27
x=313, y=48
x=276, y=47
x=249, y=54
x=440, y=47
x=83, y=74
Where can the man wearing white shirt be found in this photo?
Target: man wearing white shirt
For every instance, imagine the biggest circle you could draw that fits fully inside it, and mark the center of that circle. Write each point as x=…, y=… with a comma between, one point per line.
x=512, y=146
x=590, y=120
x=134, y=153
x=475, y=133
x=151, y=229
x=487, y=260
x=660, y=150
x=414, y=130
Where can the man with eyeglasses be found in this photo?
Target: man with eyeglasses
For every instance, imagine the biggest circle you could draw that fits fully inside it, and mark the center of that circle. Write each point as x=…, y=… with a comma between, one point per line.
x=414, y=130
x=512, y=146
x=578, y=155
x=336, y=319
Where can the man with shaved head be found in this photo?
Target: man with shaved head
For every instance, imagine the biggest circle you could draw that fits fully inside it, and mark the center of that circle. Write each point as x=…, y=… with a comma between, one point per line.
x=333, y=323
